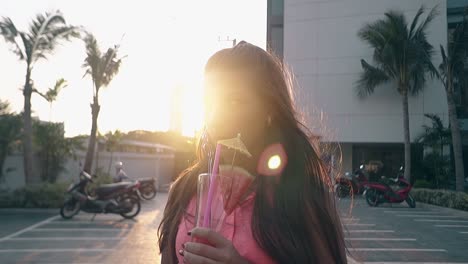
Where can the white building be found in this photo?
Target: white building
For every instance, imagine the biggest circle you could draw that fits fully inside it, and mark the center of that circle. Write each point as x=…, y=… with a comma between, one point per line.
x=140, y=159
x=319, y=41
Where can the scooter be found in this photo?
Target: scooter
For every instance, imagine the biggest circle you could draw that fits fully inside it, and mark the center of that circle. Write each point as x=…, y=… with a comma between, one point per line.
x=351, y=183
x=117, y=198
x=382, y=192
x=147, y=189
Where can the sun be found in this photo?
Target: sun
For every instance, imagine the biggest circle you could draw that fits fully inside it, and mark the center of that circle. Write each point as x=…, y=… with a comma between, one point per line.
x=192, y=109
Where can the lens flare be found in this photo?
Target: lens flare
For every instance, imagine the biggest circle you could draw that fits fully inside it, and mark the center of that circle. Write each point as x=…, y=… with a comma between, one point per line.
x=274, y=162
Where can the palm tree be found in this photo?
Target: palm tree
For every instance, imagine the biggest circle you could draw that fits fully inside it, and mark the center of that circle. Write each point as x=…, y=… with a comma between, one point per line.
x=52, y=94
x=102, y=67
x=45, y=33
x=435, y=136
x=402, y=55
x=453, y=70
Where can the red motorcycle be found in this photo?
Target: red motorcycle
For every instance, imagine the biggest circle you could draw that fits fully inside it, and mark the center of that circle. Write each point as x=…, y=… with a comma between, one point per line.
x=390, y=190
x=351, y=184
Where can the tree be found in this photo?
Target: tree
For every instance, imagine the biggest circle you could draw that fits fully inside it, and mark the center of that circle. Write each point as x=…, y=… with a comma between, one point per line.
x=435, y=136
x=452, y=72
x=436, y=164
x=102, y=68
x=53, y=147
x=46, y=31
x=52, y=93
x=112, y=143
x=10, y=131
x=402, y=56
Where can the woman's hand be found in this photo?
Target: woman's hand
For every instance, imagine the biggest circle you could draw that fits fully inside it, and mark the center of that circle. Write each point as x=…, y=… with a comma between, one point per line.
x=222, y=250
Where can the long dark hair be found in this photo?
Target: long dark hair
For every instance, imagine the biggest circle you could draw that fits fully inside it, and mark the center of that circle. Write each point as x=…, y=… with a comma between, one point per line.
x=294, y=219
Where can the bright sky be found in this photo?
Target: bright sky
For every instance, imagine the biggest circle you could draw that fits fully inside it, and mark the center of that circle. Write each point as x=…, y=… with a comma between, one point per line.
x=167, y=44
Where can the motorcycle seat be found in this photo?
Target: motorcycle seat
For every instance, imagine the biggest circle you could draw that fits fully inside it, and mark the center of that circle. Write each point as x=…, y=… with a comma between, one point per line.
x=106, y=189
x=146, y=180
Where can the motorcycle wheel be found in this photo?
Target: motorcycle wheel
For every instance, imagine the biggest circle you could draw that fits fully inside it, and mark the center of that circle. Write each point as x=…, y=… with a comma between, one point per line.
x=342, y=191
x=135, y=206
x=70, y=208
x=148, y=192
x=410, y=201
x=372, y=197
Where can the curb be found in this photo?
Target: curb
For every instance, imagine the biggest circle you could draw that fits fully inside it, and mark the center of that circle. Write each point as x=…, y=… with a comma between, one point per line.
x=29, y=210
x=444, y=209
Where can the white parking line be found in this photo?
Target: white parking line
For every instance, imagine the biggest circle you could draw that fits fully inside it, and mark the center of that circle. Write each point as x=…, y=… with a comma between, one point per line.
x=349, y=219
x=400, y=249
x=440, y=220
x=78, y=229
x=370, y=231
x=379, y=239
x=413, y=262
x=410, y=211
x=91, y=222
x=32, y=227
x=427, y=216
x=463, y=232
x=63, y=238
x=54, y=250
x=451, y=225
x=359, y=224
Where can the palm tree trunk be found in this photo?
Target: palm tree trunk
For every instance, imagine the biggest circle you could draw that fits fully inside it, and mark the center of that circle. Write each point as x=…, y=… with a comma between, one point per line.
x=456, y=141
x=92, y=137
x=110, y=162
x=406, y=129
x=27, y=133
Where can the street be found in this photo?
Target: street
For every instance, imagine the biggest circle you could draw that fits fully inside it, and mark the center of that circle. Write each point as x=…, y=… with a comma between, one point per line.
x=386, y=234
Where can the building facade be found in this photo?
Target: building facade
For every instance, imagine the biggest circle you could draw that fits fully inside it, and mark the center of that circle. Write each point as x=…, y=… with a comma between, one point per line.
x=318, y=41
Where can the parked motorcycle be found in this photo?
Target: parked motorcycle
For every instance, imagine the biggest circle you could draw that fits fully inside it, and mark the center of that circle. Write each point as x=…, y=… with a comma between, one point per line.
x=390, y=190
x=351, y=183
x=116, y=198
x=147, y=189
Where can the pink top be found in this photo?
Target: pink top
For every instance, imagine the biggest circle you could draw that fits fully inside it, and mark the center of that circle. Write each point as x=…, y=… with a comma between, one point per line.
x=236, y=228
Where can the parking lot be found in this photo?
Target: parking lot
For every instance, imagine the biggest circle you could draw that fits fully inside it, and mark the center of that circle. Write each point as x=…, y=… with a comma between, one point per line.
x=42, y=236
x=399, y=234
x=386, y=234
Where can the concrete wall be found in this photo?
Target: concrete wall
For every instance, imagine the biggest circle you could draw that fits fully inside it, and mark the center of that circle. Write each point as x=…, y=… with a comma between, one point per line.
x=322, y=47
x=138, y=166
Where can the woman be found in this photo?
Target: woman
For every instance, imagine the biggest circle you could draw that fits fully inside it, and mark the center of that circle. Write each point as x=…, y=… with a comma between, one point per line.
x=289, y=218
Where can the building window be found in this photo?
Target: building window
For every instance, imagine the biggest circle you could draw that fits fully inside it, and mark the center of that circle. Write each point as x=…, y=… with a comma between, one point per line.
x=275, y=22
x=277, y=7
x=276, y=43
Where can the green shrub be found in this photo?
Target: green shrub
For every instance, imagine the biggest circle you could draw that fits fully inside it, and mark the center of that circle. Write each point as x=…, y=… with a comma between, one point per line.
x=422, y=184
x=44, y=195
x=99, y=179
x=445, y=198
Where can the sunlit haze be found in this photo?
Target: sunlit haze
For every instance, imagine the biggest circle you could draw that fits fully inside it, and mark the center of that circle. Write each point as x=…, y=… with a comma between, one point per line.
x=166, y=43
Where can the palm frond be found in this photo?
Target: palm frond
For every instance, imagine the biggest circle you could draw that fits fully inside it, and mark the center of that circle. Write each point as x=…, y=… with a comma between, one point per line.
x=398, y=27
x=101, y=67
x=48, y=43
x=416, y=20
x=111, y=65
x=45, y=32
x=430, y=17
x=374, y=34
x=10, y=34
x=443, y=70
x=369, y=79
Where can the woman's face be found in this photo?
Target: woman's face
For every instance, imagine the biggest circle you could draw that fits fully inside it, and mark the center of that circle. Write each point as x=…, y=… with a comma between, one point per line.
x=232, y=106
